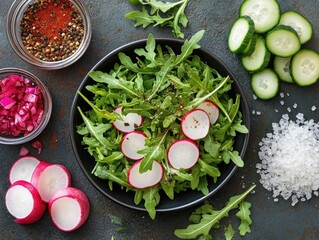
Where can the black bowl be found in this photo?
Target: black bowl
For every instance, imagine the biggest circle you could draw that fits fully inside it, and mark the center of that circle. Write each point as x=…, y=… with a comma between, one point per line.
x=183, y=199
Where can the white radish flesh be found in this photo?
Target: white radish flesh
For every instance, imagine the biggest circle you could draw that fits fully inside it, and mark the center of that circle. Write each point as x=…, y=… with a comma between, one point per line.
x=131, y=143
x=24, y=202
x=195, y=124
x=146, y=179
x=50, y=179
x=69, y=208
x=129, y=122
x=23, y=168
x=211, y=109
x=183, y=153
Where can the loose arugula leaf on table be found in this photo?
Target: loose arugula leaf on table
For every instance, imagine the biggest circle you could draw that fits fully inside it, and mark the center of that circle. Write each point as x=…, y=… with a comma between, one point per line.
x=119, y=222
x=205, y=218
x=229, y=232
x=161, y=86
x=158, y=13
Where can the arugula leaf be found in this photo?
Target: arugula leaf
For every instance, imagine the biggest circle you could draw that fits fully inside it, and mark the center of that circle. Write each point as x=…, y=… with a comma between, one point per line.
x=209, y=218
x=151, y=198
x=229, y=232
x=171, y=14
x=244, y=215
x=97, y=131
x=118, y=221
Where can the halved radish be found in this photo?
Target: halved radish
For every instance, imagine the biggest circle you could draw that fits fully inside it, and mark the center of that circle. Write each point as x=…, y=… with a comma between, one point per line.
x=129, y=122
x=69, y=208
x=23, y=168
x=24, y=202
x=195, y=124
x=49, y=179
x=211, y=109
x=131, y=143
x=183, y=153
x=146, y=179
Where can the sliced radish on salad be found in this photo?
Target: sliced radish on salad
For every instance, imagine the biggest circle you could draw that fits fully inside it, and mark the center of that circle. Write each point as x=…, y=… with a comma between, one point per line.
x=23, y=168
x=147, y=179
x=183, y=153
x=211, y=109
x=69, y=208
x=49, y=179
x=195, y=124
x=24, y=202
x=131, y=143
x=129, y=122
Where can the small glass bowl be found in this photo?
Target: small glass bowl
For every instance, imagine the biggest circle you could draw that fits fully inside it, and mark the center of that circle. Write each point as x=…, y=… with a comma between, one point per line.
x=14, y=18
x=12, y=140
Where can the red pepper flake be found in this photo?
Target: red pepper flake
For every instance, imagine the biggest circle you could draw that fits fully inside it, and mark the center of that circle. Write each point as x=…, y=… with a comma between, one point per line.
x=52, y=30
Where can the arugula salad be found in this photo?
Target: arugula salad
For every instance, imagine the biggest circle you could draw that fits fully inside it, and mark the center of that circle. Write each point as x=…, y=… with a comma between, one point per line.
x=159, y=87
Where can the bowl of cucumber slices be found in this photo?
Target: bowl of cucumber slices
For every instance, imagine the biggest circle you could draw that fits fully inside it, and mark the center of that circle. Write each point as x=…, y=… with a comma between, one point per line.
x=271, y=46
x=159, y=124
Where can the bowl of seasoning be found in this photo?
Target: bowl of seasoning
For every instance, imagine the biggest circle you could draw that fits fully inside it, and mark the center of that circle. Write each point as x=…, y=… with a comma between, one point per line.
x=50, y=34
x=25, y=106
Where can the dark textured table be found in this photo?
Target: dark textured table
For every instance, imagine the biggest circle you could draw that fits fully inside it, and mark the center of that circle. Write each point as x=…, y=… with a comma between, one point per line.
x=271, y=220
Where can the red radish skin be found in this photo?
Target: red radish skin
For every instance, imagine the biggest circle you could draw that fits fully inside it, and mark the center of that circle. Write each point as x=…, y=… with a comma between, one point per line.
x=49, y=179
x=38, y=145
x=23, y=151
x=24, y=202
x=69, y=209
x=183, y=153
x=211, y=109
x=131, y=143
x=129, y=123
x=23, y=169
x=195, y=124
x=147, y=179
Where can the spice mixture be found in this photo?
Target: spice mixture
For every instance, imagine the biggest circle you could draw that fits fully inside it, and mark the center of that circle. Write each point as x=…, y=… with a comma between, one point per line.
x=52, y=30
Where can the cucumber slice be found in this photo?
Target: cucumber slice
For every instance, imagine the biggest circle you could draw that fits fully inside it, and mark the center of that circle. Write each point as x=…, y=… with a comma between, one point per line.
x=282, y=68
x=240, y=34
x=259, y=59
x=305, y=67
x=283, y=41
x=250, y=47
x=265, y=13
x=299, y=23
x=265, y=84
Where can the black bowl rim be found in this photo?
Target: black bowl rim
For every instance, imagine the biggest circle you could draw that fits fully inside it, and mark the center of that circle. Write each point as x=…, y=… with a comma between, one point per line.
x=246, y=117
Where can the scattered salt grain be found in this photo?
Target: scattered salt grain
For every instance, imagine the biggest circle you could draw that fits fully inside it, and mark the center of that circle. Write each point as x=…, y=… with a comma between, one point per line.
x=276, y=110
x=282, y=102
x=253, y=112
x=282, y=95
x=295, y=105
x=313, y=108
x=289, y=156
x=254, y=97
x=288, y=109
x=258, y=113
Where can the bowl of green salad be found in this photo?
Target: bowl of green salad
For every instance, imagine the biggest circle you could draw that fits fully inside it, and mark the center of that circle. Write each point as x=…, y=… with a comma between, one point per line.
x=159, y=124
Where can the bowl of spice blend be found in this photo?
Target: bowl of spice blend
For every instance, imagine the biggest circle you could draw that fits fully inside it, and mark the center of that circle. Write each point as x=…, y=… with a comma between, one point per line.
x=25, y=106
x=50, y=34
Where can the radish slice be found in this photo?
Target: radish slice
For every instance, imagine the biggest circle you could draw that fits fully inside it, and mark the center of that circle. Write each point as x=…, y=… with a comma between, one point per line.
x=129, y=123
x=69, y=208
x=131, y=143
x=23, y=168
x=195, y=124
x=211, y=109
x=183, y=153
x=146, y=179
x=24, y=202
x=38, y=145
x=49, y=179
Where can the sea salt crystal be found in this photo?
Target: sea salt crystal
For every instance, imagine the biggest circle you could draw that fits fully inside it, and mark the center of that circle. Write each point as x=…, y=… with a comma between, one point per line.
x=282, y=95
x=254, y=97
x=288, y=109
x=253, y=112
x=295, y=105
x=313, y=108
x=281, y=168
x=282, y=102
x=258, y=113
x=276, y=110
